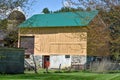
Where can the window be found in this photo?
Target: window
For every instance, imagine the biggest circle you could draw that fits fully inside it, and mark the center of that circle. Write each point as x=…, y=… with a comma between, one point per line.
x=27, y=42
x=67, y=56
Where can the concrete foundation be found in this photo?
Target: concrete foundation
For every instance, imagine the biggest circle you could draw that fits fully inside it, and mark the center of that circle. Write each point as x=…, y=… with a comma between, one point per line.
x=59, y=60
x=62, y=61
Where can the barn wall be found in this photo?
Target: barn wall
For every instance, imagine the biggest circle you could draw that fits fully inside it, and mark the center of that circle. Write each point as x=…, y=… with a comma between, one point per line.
x=78, y=59
x=57, y=60
x=69, y=40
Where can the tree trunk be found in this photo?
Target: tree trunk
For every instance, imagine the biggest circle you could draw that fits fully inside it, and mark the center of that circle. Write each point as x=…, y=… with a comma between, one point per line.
x=35, y=69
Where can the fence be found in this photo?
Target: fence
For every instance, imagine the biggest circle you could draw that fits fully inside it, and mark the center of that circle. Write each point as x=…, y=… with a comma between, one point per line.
x=11, y=60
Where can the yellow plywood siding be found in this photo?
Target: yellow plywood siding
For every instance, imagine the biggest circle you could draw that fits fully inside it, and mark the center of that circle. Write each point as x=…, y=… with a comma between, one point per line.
x=58, y=40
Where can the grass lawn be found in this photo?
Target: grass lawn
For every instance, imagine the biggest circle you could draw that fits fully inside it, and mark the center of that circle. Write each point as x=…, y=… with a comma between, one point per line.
x=60, y=76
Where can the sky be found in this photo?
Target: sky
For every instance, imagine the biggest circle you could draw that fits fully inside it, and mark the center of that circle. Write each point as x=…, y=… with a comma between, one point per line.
x=37, y=6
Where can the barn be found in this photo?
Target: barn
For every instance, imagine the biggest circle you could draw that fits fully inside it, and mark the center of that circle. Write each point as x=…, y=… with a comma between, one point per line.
x=57, y=38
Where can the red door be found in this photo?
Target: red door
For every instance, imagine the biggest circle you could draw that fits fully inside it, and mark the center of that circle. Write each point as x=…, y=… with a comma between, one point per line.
x=46, y=61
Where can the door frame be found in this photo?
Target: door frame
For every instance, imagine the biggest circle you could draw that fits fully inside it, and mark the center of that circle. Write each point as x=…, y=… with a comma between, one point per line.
x=44, y=58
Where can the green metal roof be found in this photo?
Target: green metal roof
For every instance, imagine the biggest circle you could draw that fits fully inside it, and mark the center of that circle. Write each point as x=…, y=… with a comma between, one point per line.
x=63, y=19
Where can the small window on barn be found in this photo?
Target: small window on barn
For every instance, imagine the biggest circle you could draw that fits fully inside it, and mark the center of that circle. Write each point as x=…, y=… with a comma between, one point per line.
x=67, y=56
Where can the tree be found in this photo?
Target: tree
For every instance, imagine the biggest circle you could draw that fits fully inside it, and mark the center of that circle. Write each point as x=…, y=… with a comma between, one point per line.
x=112, y=20
x=66, y=9
x=95, y=4
x=7, y=6
x=3, y=25
x=11, y=39
x=46, y=11
x=115, y=39
x=97, y=38
x=109, y=11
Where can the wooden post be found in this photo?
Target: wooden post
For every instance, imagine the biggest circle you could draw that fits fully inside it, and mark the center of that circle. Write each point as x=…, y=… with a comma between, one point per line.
x=59, y=67
x=46, y=69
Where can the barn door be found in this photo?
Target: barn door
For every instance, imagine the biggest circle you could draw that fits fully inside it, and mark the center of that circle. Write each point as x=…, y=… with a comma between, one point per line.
x=46, y=61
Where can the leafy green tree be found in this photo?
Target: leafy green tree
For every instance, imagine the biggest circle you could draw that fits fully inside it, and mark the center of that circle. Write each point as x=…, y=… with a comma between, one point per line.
x=46, y=11
x=66, y=9
x=11, y=39
x=3, y=25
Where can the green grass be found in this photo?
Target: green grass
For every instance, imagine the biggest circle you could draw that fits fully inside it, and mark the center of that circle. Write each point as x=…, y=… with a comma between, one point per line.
x=60, y=76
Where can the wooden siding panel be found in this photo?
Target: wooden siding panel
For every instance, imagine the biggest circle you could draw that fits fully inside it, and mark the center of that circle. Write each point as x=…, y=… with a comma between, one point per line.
x=59, y=41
